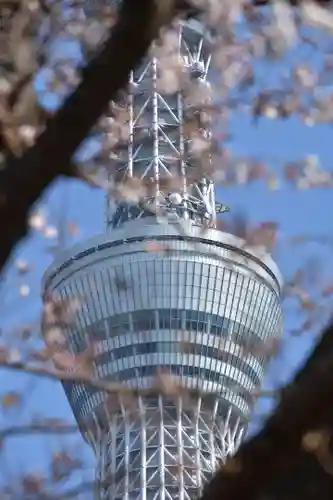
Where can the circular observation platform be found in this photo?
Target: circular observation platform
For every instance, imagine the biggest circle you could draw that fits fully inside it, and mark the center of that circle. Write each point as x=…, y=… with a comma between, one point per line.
x=197, y=305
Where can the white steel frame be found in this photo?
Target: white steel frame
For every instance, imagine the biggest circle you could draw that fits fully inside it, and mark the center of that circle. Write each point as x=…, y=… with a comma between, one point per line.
x=156, y=120
x=167, y=452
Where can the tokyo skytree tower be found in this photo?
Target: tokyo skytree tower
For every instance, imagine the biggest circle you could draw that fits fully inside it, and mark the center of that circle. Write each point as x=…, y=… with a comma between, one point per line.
x=178, y=298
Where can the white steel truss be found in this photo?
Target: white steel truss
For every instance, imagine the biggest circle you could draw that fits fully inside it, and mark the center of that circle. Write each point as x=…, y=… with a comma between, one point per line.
x=158, y=148
x=162, y=450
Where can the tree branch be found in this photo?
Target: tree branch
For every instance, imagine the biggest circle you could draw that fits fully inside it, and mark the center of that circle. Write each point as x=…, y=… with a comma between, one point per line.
x=43, y=428
x=271, y=457
x=62, y=375
x=102, y=384
x=25, y=179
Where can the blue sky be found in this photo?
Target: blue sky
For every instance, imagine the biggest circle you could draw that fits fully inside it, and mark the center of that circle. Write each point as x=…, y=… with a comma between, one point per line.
x=297, y=212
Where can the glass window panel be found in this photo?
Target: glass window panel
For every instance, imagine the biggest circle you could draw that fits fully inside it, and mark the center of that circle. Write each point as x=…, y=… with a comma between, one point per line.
x=164, y=318
x=205, y=270
x=215, y=329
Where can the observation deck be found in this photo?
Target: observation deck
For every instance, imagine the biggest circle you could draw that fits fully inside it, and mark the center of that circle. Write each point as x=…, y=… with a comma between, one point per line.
x=193, y=305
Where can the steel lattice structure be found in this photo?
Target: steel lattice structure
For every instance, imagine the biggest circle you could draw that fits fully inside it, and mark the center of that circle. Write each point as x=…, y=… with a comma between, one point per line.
x=170, y=451
x=158, y=148
x=198, y=308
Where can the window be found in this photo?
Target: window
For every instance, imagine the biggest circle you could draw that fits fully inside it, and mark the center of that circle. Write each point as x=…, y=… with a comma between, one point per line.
x=164, y=318
x=191, y=320
x=143, y=320
x=176, y=320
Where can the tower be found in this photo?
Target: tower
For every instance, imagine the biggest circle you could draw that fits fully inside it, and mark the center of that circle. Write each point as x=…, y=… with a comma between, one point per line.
x=178, y=310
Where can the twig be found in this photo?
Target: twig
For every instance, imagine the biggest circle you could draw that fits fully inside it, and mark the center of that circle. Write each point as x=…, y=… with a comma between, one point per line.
x=24, y=430
x=60, y=375
x=106, y=385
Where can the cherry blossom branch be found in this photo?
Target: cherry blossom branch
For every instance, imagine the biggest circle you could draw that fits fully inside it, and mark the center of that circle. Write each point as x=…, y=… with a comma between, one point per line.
x=270, y=457
x=81, y=376
x=61, y=375
x=25, y=179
